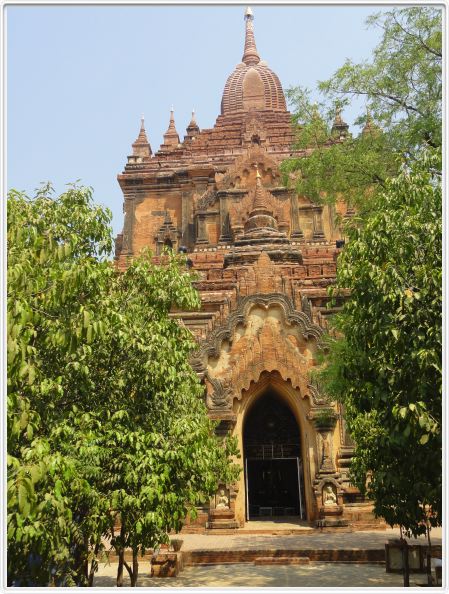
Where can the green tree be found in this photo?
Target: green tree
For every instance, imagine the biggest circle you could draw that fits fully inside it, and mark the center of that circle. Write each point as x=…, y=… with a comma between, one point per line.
x=106, y=420
x=402, y=83
x=385, y=363
x=56, y=256
x=401, y=86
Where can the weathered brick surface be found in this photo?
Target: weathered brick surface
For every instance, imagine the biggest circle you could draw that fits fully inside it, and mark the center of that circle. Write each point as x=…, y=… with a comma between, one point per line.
x=264, y=258
x=166, y=564
x=249, y=556
x=282, y=561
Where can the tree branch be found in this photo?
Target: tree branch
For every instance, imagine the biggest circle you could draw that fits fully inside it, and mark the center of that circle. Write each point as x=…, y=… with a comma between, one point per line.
x=128, y=569
x=417, y=36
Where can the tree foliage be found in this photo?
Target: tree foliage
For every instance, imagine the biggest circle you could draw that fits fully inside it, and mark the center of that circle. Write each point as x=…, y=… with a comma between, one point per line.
x=401, y=86
x=402, y=82
x=384, y=361
x=385, y=366
x=106, y=421
x=330, y=169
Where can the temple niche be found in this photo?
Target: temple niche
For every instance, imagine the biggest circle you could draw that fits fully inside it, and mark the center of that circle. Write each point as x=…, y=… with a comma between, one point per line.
x=265, y=258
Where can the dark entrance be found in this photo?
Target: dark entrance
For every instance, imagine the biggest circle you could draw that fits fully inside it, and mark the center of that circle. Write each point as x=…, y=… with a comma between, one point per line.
x=273, y=465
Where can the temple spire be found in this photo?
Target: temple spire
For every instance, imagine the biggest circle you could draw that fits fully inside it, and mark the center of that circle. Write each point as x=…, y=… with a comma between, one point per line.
x=193, y=128
x=171, y=137
x=141, y=146
x=370, y=127
x=339, y=128
x=193, y=125
x=250, y=55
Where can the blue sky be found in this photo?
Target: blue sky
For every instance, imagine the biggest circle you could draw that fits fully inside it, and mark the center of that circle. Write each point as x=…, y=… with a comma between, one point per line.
x=79, y=77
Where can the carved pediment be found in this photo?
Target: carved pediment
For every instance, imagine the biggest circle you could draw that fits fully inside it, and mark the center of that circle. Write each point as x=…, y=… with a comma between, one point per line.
x=239, y=211
x=264, y=333
x=205, y=200
x=243, y=173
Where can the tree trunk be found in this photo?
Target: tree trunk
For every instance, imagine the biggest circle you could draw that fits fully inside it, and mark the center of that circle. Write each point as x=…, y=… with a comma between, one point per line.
x=121, y=556
x=93, y=566
x=86, y=561
x=80, y=554
x=130, y=571
x=429, y=557
x=121, y=562
x=405, y=566
x=135, y=569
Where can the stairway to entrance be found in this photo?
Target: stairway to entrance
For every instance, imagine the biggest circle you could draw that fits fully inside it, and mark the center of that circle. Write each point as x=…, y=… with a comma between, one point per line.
x=316, y=545
x=276, y=525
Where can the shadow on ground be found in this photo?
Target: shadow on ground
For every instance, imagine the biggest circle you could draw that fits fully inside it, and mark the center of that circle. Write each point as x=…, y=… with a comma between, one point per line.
x=249, y=575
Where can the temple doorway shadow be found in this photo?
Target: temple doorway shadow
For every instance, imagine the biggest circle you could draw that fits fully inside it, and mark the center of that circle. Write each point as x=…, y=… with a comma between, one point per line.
x=273, y=462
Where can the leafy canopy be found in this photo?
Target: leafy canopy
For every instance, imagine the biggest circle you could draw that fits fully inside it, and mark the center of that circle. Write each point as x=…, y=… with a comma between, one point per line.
x=385, y=365
x=106, y=420
x=401, y=86
x=384, y=361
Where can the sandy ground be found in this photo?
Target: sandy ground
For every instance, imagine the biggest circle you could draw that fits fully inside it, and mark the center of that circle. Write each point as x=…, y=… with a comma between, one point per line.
x=328, y=575
x=325, y=575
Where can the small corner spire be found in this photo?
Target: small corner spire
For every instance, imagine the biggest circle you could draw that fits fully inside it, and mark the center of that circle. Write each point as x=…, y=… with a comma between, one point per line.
x=171, y=125
x=315, y=111
x=141, y=146
x=338, y=119
x=250, y=55
x=340, y=128
x=369, y=127
x=192, y=129
x=171, y=137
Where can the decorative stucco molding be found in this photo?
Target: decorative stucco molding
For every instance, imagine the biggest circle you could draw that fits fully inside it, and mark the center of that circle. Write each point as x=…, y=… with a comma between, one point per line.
x=211, y=346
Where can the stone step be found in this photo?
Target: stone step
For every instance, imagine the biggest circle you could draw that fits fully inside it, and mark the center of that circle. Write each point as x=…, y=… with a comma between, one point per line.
x=368, y=525
x=221, y=525
x=222, y=556
x=282, y=561
x=267, y=531
x=192, y=529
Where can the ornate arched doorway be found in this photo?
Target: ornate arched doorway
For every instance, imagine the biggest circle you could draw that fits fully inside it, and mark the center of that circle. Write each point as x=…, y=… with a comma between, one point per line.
x=272, y=460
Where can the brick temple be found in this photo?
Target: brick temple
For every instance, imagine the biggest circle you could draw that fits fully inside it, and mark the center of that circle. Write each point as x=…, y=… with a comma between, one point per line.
x=265, y=257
